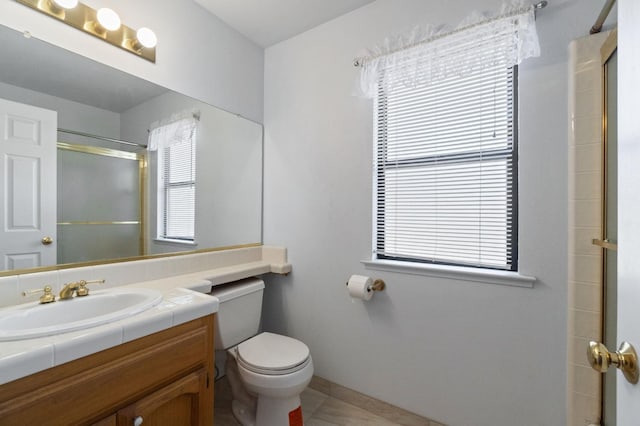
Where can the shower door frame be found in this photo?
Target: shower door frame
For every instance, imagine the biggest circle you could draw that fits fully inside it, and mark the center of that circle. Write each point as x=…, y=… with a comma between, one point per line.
x=141, y=158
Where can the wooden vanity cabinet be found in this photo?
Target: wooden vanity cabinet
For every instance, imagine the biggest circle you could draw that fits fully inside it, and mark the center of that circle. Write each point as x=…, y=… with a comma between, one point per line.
x=176, y=404
x=162, y=379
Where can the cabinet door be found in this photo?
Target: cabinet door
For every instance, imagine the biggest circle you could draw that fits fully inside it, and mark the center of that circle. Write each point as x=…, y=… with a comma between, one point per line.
x=176, y=404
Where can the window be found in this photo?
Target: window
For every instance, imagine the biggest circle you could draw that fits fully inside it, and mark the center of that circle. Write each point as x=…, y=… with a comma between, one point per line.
x=446, y=157
x=175, y=143
x=177, y=200
x=446, y=170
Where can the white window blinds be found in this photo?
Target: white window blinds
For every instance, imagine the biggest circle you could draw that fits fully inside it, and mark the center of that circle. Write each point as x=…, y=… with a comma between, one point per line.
x=445, y=171
x=446, y=141
x=179, y=191
x=175, y=142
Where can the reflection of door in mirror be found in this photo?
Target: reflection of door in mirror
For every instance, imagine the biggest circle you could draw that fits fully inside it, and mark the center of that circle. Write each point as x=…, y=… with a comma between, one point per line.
x=610, y=231
x=27, y=186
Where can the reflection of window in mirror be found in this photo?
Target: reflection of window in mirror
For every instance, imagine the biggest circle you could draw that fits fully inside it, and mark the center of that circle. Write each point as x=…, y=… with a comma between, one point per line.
x=177, y=190
x=176, y=147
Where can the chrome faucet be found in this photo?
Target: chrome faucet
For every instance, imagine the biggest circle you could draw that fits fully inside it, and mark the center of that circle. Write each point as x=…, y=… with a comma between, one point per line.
x=79, y=287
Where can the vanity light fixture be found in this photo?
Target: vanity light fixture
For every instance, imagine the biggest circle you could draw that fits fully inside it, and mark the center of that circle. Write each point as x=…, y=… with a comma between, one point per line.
x=108, y=19
x=59, y=7
x=66, y=4
x=103, y=23
x=146, y=37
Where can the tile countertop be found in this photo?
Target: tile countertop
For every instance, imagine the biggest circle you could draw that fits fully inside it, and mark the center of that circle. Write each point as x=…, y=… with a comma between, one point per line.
x=21, y=358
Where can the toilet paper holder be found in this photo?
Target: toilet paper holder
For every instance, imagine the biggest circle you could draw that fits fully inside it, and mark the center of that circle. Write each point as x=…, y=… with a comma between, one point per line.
x=378, y=285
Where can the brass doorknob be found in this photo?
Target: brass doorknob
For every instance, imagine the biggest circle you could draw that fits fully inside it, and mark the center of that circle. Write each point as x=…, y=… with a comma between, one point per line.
x=47, y=240
x=625, y=359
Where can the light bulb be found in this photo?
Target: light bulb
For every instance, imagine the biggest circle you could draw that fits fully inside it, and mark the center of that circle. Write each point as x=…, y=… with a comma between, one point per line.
x=146, y=37
x=66, y=4
x=108, y=19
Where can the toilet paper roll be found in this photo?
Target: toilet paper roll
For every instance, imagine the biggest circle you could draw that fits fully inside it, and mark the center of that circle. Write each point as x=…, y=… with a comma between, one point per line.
x=359, y=287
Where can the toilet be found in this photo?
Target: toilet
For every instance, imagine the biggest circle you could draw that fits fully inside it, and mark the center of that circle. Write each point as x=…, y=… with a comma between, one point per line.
x=266, y=371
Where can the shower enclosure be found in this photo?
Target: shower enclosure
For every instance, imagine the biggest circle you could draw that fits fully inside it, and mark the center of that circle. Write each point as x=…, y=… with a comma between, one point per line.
x=100, y=199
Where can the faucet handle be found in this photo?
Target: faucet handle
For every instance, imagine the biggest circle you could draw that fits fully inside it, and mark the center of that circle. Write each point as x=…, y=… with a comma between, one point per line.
x=83, y=290
x=47, y=296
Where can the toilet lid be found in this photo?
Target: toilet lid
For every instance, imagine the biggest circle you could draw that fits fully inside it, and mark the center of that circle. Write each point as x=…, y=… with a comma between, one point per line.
x=273, y=354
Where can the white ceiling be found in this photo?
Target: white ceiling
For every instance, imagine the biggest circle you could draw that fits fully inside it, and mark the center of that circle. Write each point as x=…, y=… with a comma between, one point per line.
x=267, y=22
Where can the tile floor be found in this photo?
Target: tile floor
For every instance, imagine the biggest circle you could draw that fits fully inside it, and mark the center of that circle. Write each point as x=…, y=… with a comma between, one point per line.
x=318, y=409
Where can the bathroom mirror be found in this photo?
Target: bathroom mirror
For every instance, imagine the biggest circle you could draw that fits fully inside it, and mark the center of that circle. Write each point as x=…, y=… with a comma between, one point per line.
x=104, y=206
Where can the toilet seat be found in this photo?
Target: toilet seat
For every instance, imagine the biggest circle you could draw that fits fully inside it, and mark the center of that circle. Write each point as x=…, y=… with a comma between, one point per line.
x=273, y=354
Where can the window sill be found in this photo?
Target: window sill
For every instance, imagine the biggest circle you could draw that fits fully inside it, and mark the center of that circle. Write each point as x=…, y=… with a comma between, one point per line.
x=180, y=242
x=487, y=276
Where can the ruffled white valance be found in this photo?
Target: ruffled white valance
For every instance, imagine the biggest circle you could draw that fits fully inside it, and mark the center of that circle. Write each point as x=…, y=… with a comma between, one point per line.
x=178, y=128
x=429, y=54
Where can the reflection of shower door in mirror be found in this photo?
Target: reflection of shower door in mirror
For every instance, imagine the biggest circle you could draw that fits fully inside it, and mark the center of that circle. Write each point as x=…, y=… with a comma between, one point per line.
x=27, y=186
x=100, y=203
x=610, y=232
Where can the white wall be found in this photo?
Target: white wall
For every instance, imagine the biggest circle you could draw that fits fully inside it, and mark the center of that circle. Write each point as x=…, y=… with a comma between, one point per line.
x=459, y=352
x=197, y=54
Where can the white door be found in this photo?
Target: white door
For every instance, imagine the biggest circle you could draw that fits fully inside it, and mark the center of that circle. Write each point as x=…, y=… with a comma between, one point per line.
x=628, y=395
x=27, y=186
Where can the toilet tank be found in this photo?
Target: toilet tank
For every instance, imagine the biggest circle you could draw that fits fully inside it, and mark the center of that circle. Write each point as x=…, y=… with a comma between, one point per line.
x=239, y=312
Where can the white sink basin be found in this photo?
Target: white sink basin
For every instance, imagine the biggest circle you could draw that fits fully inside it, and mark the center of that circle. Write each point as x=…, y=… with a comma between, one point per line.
x=28, y=321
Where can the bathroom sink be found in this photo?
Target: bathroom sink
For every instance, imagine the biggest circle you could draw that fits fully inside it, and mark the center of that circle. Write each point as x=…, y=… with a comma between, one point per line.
x=28, y=321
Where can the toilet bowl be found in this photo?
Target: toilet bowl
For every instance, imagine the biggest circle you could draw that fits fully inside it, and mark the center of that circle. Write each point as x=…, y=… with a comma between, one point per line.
x=276, y=369
x=266, y=372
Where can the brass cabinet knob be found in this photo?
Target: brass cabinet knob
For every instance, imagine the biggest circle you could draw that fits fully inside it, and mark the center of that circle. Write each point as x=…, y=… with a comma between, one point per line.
x=625, y=359
x=47, y=240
